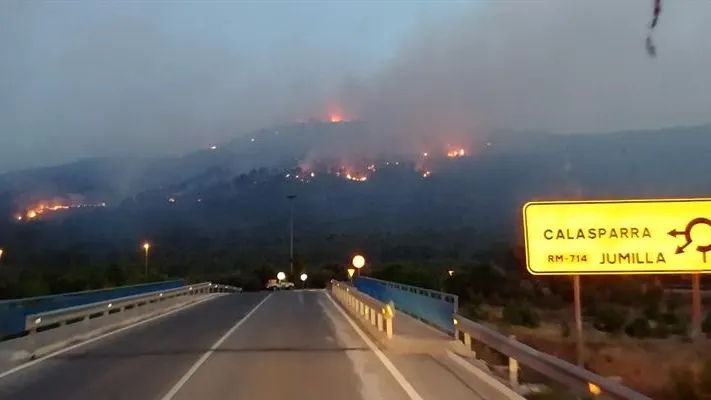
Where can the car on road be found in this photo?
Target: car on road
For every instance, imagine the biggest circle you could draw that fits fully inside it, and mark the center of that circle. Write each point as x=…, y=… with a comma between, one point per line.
x=274, y=284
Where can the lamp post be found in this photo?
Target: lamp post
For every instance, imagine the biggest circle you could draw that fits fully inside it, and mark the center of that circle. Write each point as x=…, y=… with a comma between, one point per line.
x=146, y=247
x=358, y=263
x=443, y=278
x=291, y=198
x=303, y=278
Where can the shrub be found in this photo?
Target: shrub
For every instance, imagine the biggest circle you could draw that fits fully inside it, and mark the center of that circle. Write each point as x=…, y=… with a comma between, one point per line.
x=661, y=330
x=639, y=328
x=609, y=319
x=475, y=312
x=706, y=324
x=564, y=329
x=652, y=311
x=522, y=314
x=674, y=301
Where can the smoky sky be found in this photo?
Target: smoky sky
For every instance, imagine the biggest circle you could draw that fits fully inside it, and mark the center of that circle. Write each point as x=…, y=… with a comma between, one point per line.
x=563, y=66
x=82, y=79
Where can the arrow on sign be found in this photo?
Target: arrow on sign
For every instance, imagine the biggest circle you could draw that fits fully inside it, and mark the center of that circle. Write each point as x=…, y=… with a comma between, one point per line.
x=676, y=233
x=680, y=249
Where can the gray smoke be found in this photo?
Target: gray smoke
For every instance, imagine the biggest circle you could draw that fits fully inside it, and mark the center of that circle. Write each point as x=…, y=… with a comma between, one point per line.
x=563, y=66
x=87, y=78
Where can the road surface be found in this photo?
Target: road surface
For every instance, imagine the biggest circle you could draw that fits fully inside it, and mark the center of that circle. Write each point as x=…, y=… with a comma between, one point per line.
x=296, y=345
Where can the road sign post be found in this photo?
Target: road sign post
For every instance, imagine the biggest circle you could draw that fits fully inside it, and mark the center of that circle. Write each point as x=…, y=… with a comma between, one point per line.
x=578, y=321
x=696, y=330
x=625, y=237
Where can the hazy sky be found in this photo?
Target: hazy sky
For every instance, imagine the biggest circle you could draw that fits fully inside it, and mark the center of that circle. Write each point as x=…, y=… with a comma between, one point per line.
x=85, y=78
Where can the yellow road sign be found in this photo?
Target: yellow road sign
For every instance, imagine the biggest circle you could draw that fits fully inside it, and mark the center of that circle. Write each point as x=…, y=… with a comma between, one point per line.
x=618, y=237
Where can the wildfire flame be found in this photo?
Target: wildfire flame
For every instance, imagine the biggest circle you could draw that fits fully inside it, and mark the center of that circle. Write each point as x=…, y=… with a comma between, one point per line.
x=45, y=208
x=456, y=153
x=356, y=178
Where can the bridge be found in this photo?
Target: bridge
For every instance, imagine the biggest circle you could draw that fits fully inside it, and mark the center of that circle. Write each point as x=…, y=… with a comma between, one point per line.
x=368, y=339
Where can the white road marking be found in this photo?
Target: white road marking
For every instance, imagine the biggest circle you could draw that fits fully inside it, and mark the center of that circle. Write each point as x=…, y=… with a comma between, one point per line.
x=174, y=390
x=399, y=377
x=97, y=338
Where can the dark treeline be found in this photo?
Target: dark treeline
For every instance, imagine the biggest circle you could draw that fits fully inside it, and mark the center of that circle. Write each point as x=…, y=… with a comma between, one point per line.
x=240, y=260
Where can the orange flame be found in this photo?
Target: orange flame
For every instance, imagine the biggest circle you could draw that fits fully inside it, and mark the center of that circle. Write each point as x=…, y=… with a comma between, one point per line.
x=459, y=152
x=45, y=208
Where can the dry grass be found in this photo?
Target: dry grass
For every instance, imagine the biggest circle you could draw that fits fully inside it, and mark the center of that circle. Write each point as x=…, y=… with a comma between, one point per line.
x=642, y=364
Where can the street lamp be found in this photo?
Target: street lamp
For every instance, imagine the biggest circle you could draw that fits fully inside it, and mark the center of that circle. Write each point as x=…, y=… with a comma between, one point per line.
x=281, y=276
x=146, y=247
x=358, y=261
x=291, y=198
x=303, y=277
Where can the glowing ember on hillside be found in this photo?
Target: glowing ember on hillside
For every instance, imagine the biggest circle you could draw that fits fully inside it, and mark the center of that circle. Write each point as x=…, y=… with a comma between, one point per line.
x=456, y=153
x=355, y=177
x=47, y=208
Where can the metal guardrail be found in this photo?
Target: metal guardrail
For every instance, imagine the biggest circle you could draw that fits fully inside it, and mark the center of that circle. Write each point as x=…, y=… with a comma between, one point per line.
x=433, y=307
x=575, y=378
x=367, y=308
x=14, y=311
x=57, y=318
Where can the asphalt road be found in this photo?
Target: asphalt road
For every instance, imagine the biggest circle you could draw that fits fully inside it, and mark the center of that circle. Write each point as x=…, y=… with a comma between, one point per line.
x=141, y=363
x=296, y=345
x=299, y=346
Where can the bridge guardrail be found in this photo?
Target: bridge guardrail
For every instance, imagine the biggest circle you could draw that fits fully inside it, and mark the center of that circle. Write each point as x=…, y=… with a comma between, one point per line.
x=373, y=311
x=48, y=331
x=430, y=306
x=573, y=377
x=433, y=307
x=34, y=322
x=14, y=311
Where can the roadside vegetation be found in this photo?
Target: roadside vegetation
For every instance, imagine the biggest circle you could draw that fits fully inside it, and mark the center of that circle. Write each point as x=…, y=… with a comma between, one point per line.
x=634, y=329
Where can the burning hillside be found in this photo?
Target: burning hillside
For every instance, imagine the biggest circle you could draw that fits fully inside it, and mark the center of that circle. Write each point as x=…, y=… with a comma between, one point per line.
x=45, y=208
x=364, y=169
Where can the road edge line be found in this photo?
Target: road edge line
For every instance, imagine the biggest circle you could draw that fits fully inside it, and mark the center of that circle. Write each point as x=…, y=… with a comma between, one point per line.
x=399, y=377
x=36, y=361
x=186, y=377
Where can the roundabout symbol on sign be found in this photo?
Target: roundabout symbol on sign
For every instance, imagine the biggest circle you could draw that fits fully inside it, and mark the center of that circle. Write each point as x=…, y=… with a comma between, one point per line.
x=686, y=233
